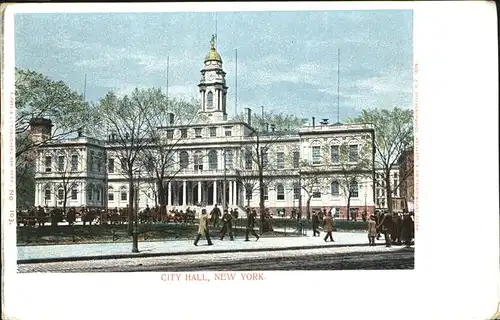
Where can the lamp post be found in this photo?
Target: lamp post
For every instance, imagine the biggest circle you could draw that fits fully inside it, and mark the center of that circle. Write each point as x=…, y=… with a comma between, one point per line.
x=365, y=188
x=135, y=240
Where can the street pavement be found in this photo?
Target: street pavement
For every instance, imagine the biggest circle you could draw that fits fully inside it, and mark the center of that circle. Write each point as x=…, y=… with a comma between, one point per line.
x=326, y=258
x=47, y=253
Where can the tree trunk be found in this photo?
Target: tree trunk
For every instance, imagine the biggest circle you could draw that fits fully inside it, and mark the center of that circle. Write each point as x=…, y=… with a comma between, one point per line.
x=65, y=201
x=261, y=200
x=131, y=206
x=161, y=194
x=388, y=192
x=308, y=207
x=348, y=206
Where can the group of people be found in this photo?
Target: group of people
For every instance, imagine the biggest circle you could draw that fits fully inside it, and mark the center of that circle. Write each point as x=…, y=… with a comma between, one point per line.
x=396, y=229
x=327, y=219
x=227, y=224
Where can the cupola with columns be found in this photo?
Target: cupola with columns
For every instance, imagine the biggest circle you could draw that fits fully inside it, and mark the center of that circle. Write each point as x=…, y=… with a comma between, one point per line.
x=212, y=86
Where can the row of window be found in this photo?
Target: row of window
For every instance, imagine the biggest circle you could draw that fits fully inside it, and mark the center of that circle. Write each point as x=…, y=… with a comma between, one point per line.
x=198, y=132
x=380, y=176
x=95, y=163
x=381, y=190
x=280, y=191
x=353, y=155
x=73, y=194
x=61, y=163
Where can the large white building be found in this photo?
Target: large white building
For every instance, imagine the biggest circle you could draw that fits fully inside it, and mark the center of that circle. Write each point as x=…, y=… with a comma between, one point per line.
x=217, y=153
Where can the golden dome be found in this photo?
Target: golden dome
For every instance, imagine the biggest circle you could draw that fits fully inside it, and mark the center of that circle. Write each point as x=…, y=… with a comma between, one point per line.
x=213, y=55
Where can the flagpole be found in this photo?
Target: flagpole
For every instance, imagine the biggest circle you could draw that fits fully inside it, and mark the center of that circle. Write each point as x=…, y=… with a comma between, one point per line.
x=168, y=63
x=85, y=87
x=236, y=86
x=216, y=30
x=338, y=86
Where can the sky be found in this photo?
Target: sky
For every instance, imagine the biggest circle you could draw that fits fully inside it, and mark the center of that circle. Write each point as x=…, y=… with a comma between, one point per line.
x=287, y=61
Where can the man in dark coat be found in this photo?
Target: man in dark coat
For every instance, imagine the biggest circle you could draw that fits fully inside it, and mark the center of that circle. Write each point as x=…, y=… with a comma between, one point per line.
x=386, y=227
x=397, y=225
x=406, y=229
x=315, y=224
x=214, y=215
x=227, y=225
x=378, y=218
x=250, y=224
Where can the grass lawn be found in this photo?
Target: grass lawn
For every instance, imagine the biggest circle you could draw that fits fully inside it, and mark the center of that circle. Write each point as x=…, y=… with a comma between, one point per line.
x=118, y=233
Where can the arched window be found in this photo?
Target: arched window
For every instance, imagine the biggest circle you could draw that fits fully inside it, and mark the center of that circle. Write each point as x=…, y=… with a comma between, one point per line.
x=60, y=194
x=111, y=194
x=210, y=99
x=212, y=160
x=229, y=159
x=123, y=193
x=47, y=192
x=184, y=159
x=90, y=191
x=354, y=189
x=280, y=192
x=98, y=192
x=74, y=192
x=266, y=193
x=198, y=161
x=335, y=188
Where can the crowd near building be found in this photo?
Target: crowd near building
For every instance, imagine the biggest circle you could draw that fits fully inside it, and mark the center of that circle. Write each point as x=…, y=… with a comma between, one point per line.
x=214, y=164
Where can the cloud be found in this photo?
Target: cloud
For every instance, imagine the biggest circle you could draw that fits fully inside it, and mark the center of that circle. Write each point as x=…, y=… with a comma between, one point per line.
x=287, y=61
x=387, y=83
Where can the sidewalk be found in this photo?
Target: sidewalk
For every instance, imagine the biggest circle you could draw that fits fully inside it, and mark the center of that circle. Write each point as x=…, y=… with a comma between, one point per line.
x=75, y=252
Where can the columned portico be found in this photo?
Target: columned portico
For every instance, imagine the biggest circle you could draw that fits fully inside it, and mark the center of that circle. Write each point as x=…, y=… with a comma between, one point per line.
x=230, y=193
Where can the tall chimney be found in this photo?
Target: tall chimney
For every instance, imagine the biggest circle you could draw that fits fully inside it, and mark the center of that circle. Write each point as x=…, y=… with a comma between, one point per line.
x=171, y=119
x=249, y=116
x=314, y=122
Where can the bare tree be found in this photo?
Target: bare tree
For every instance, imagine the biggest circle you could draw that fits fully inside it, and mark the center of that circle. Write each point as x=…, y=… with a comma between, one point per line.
x=127, y=118
x=163, y=158
x=265, y=168
x=70, y=169
x=354, y=165
x=393, y=137
x=312, y=180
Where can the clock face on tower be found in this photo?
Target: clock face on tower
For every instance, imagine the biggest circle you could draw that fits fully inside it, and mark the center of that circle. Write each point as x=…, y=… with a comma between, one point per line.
x=210, y=76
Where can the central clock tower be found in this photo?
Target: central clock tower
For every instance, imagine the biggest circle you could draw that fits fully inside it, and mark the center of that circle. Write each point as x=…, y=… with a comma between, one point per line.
x=213, y=89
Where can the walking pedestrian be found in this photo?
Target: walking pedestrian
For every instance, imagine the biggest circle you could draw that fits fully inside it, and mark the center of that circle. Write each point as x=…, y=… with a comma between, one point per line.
x=372, y=230
x=250, y=224
x=328, y=227
x=315, y=224
x=214, y=215
x=203, y=228
x=227, y=225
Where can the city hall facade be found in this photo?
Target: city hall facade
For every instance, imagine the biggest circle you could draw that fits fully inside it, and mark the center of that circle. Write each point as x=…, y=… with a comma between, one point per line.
x=214, y=164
